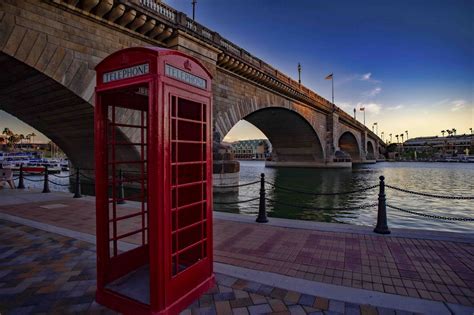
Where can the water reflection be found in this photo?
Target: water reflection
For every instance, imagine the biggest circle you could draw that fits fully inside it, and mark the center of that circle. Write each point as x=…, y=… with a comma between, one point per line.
x=434, y=178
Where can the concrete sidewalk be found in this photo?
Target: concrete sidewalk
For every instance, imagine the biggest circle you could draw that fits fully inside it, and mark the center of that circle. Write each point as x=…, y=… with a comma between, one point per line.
x=434, y=271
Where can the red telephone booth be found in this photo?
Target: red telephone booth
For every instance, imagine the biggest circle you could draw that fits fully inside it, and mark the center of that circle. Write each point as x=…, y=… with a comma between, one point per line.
x=153, y=151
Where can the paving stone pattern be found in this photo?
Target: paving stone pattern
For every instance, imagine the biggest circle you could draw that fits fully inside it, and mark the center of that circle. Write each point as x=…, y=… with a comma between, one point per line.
x=428, y=269
x=45, y=273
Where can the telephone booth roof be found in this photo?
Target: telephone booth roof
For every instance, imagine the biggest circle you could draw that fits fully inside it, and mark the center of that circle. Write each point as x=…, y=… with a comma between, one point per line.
x=127, y=57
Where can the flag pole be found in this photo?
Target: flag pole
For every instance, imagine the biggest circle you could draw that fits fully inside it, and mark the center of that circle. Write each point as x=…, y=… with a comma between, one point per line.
x=332, y=81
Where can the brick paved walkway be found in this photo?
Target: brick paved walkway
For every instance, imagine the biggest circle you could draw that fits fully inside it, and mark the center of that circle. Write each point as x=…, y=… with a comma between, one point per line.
x=42, y=272
x=428, y=269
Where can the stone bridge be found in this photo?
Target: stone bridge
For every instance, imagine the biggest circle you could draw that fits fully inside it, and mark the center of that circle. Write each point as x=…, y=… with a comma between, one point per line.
x=49, y=48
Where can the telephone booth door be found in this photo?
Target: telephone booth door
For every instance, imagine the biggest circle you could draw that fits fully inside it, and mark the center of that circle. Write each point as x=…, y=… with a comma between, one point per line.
x=153, y=121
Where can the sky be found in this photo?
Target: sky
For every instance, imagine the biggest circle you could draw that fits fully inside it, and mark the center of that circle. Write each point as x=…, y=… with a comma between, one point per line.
x=409, y=63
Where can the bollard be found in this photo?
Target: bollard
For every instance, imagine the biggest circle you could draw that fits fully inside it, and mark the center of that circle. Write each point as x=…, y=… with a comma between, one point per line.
x=77, y=190
x=382, y=227
x=46, y=180
x=21, y=184
x=121, y=192
x=262, y=212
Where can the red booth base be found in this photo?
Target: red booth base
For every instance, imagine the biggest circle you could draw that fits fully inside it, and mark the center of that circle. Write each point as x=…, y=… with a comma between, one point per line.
x=127, y=305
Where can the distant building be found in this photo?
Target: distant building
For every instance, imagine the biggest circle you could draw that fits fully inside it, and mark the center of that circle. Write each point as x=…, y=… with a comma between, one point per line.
x=255, y=149
x=441, y=146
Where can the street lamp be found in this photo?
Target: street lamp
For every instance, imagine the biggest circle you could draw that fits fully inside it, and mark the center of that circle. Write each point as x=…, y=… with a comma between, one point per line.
x=381, y=135
x=299, y=73
x=406, y=131
x=362, y=109
x=376, y=128
x=194, y=7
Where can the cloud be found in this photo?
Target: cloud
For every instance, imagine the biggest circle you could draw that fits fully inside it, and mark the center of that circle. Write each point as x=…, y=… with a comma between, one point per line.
x=372, y=108
x=366, y=76
x=457, y=105
x=395, y=107
x=372, y=92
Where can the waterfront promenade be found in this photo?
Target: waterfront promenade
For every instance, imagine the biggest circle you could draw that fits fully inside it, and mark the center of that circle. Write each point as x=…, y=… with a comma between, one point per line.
x=298, y=263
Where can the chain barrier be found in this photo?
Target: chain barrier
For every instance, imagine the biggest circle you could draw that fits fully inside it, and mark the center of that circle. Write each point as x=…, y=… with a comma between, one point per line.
x=236, y=202
x=61, y=176
x=320, y=209
x=54, y=183
x=430, y=195
x=33, y=180
x=322, y=194
x=240, y=185
x=431, y=216
x=87, y=177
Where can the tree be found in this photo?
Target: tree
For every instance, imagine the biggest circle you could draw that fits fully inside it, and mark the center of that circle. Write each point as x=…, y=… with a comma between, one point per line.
x=33, y=135
x=454, y=131
x=396, y=136
x=442, y=132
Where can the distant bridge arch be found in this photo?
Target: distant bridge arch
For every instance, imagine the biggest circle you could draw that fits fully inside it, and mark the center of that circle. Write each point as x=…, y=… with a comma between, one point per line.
x=370, y=151
x=292, y=137
x=349, y=144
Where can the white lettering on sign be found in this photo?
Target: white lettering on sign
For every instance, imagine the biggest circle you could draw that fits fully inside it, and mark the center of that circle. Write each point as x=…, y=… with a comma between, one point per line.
x=184, y=76
x=126, y=73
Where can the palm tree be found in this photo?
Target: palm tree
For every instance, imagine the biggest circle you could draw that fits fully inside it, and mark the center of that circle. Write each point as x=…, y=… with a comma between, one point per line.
x=33, y=135
x=396, y=136
x=454, y=131
x=406, y=131
x=401, y=136
x=442, y=132
x=390, y=137
x=449, y=132
x=21, y=137
x=470, y=129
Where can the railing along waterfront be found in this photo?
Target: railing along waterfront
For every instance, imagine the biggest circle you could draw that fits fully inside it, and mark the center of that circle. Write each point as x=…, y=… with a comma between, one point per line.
x=381, y=226
x=381, y=204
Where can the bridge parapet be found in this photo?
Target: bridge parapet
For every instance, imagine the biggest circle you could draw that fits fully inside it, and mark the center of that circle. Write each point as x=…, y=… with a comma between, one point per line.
x=158, y=22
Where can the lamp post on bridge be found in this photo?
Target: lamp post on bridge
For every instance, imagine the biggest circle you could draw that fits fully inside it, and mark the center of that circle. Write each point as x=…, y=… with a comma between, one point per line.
x=406, y=131
x=362, y=109
x=194, y=7
x=299, y=73
x=381, y=135
x=331, y=77
x=355, y=114
x=376, y=128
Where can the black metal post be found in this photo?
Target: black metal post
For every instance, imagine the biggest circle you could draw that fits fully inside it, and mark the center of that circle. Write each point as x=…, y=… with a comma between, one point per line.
x=262, y=212
x=77, y=190
x=382, y=227
x=121, y=192
x=21, y=184
x=46, y=180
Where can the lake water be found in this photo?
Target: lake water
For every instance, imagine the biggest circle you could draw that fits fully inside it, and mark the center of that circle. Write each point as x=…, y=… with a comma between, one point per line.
x=433, y=178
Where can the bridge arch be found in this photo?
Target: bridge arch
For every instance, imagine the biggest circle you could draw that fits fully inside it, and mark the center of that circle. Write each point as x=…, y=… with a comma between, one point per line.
x=349, y=144
x=370, y=150
x=293, y=138
x=52, y=108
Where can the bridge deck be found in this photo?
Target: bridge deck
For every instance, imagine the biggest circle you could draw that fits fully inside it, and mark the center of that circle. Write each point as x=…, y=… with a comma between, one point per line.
x=430, y=269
